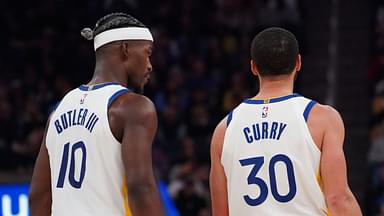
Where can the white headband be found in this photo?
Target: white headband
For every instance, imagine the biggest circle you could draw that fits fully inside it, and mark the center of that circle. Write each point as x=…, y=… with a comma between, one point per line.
x=127, y=33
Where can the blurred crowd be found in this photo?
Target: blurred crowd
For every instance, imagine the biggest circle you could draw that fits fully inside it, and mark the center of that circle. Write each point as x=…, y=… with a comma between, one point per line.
x=201, y=71
x=376, y=153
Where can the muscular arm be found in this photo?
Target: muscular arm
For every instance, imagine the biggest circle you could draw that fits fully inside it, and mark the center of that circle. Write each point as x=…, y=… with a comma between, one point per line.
x=217, y=178
x=40, y=197
x=138, y=120
x=339, y=198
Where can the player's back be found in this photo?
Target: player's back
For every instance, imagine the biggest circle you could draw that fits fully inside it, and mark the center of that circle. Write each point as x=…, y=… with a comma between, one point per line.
x=270, y=159
x=87, y=172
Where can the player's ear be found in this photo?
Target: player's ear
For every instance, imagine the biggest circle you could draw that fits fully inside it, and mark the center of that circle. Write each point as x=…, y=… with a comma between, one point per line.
x=254, y=68
x=298, y=63
x=125, y=50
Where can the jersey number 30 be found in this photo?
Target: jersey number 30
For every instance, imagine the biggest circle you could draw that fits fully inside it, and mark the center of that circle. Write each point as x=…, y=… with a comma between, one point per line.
x=258, y=163
x=79, y=146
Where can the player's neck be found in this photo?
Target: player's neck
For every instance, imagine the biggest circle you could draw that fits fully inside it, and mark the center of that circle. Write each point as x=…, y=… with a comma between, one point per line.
x=275, y=88
x=106, y=72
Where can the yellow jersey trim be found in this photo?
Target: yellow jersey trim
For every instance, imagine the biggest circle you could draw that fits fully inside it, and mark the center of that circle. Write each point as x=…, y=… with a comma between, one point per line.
x=124, y=192
x=320, y=182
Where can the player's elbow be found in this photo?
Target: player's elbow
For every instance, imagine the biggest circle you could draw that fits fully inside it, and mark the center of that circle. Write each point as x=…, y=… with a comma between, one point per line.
x=338, y=201
x=139, y=190
x=343, y=203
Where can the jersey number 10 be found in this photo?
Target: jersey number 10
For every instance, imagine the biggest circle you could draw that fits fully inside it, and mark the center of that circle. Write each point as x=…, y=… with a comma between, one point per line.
x=257, y=163
x=79, y=146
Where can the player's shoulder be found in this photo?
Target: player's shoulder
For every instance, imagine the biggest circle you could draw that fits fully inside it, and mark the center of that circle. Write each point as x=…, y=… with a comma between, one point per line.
x=221, y=126
x=217, y=141
x=135, y=100
x=325, y=113
x=132, y=105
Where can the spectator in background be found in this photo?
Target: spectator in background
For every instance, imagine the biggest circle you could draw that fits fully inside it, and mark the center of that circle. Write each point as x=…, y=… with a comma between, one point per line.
x=375, y=194
x=199, y=45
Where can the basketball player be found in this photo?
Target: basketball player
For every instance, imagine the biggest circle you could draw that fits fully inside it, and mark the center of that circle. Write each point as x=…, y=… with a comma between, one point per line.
x=96, y=154
x=279, y=153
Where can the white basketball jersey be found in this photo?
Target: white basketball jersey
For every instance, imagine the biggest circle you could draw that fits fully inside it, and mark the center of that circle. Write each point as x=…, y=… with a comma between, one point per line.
x=87, y=172
x=270, y=159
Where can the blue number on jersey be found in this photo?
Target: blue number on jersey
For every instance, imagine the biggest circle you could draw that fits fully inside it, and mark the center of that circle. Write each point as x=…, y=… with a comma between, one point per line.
x=252, y=179
x=64, y=161
x=257, y=163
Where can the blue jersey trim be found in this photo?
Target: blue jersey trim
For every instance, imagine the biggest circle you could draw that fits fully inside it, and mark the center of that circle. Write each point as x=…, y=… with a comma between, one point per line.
x=116, y=95
x=273, y=100
x=56, y=105
x=308, y=109
x=97, y=86
x=229, y=118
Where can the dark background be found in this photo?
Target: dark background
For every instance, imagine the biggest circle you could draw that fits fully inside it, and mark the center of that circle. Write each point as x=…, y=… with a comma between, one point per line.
x=201, y=71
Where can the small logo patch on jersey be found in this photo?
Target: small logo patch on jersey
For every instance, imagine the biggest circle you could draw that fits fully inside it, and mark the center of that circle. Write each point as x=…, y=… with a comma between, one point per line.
x=83, y=98
x=264, y=114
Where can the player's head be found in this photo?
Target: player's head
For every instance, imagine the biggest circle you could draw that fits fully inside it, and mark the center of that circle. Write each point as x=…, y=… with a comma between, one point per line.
x=275, y=52
x=126, y=41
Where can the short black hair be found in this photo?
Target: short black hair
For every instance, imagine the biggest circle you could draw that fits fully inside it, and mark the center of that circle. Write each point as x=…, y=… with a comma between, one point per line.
x=274, y=51
x=116, y=20
x=111, y=21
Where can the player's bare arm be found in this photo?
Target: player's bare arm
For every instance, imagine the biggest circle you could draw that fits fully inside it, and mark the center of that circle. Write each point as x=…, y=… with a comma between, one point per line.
x=40, y=197
x=138, y=123
x=217, y=179
x=330, y=136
